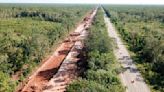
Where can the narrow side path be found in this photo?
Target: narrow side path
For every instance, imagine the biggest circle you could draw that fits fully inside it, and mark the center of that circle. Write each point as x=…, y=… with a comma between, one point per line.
x=130, y=77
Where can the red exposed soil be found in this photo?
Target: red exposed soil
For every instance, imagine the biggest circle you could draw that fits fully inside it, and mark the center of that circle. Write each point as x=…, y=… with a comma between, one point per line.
x=47, y=70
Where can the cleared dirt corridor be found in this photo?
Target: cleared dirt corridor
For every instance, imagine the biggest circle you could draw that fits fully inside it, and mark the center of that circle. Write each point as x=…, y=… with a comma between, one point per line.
x=58, y=71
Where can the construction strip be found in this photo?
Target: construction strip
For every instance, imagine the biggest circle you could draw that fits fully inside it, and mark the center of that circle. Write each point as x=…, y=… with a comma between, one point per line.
x=69, y=70
x=49, y=74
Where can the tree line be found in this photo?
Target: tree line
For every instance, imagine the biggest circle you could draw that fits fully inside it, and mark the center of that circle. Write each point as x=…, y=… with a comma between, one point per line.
x=101, y=73
x=142, y=28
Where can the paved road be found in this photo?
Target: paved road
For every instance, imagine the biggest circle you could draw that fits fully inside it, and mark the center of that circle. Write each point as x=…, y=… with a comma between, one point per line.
x=130, y=72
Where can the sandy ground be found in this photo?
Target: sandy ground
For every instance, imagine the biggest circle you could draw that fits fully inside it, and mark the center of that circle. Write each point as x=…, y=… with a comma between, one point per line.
x=131, y=78
x=50, y=72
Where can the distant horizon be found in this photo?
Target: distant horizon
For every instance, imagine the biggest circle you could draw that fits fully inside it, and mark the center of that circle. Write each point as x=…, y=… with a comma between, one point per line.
x=116, y=2
x=82, y=3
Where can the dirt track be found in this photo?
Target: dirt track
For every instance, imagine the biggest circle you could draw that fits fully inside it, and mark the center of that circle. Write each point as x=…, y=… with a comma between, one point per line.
x=41, y=79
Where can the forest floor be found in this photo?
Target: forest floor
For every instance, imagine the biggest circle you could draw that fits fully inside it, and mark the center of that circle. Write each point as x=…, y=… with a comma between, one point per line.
x=130, y=76
x=58, y=64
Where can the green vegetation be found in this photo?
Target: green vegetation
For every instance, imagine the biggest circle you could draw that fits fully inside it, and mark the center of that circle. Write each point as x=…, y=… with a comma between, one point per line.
x=26, y=35
x=101, y=74
x=142, y=28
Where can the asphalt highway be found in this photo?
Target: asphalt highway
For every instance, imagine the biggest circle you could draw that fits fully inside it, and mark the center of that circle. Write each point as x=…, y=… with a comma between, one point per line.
x=130, y=76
